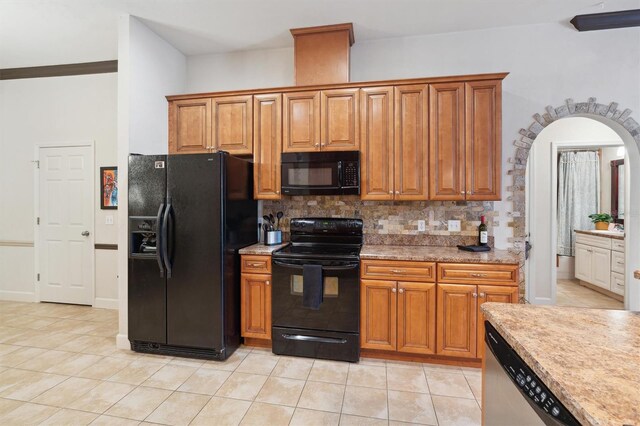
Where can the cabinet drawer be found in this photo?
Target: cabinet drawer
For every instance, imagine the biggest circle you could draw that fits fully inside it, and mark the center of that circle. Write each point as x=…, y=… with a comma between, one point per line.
x=398, y=270
x=473, y=273
x=592, y=240
x=617, y=262
x=617, y=245
x=256, y=264
x=617, y=283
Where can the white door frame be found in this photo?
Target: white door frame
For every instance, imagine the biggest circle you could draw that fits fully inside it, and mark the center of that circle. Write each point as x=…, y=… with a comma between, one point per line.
x=535, y=260
x=36, y=212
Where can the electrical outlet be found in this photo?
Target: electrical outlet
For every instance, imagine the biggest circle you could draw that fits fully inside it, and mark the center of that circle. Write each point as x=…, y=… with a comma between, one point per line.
x=454, y=226
x=108, y=219
x=422, y=226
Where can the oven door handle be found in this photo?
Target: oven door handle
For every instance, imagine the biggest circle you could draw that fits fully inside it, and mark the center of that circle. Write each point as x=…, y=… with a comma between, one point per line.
x=314, y=339
x=324, y=268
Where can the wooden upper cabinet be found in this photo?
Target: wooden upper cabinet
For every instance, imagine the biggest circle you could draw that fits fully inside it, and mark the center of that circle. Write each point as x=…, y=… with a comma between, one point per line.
x=267, y=139
x=376, y=146
x=483, y=133
x=446, y=142
x=411, y=142
x=190, y=126
x=456, y=323
x=301, y=122
x=417, y=317
x=340, y=120
x=378, y=314
x=492, y=293
x=232, y=124
x=255, y=315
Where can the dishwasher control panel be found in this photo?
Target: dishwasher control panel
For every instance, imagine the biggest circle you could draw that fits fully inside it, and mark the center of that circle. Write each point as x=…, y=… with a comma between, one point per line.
x=526, y=380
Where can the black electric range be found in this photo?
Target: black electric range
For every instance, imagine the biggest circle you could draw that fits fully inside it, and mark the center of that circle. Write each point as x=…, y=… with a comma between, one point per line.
x=316, y=290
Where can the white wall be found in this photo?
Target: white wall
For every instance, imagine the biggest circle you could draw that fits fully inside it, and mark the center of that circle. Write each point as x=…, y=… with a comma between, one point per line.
x=548, y=63
x=149, y=68
x=44, y=111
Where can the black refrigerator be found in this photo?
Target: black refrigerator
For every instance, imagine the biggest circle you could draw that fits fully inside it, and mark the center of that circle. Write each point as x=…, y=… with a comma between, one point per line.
x=188, y=217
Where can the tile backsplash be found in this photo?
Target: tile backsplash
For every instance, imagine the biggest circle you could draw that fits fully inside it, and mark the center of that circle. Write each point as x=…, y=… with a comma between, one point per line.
x=393, y=222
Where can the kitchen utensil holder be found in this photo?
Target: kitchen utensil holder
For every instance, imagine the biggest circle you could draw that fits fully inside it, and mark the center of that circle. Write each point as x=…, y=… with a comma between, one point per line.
x=272, y=238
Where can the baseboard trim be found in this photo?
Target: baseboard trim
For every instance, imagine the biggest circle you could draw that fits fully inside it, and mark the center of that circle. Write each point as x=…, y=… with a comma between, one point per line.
x=104, y=303
x=122, y=342
x=17, y=296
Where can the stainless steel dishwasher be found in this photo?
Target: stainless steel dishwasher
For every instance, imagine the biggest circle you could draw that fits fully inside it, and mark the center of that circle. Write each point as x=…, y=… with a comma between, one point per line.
x=513, y=394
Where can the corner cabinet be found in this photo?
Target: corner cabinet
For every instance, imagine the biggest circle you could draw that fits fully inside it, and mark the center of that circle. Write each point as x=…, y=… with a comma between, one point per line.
x=255, y=297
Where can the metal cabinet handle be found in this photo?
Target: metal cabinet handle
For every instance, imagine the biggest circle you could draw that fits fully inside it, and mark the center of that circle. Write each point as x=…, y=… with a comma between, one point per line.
x=619, y=263
x=401, y=290
x=482, y=295
x=277, y=192
x=390, y=192
x=256, y=265
x=317, y=144
x=398, y=192
x=475, y=295
x=479, y=275
x=398, y=271
x=267, y=282
x=85, y=233
x=393, y=290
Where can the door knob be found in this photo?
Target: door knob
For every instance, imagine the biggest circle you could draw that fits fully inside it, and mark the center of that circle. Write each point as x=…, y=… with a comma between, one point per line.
x=85, y=233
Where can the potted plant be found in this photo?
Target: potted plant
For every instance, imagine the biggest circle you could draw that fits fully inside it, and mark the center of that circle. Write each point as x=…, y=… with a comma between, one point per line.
x=602, y=220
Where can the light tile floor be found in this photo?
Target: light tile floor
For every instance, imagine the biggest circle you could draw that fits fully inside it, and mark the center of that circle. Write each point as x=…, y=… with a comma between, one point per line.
x=571, y=293
x=59, y=366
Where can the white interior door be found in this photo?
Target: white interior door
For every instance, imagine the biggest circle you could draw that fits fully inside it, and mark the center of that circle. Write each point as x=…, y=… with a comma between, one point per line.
x=66, y=263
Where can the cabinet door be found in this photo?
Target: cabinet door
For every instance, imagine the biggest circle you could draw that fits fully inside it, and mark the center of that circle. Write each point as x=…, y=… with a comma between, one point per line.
x=232, y=123
x=255, y=313
x=446, y=141
x=410, y=143
x=417, y=317
x=483, y=133
x=376, y=159
x=190, y=126
x=378, y=314
x=601, y=267
x=340, y=120
x=492, y=293
x=267, y=139
x=457, y=314
x=583, y=262
x=301, y=122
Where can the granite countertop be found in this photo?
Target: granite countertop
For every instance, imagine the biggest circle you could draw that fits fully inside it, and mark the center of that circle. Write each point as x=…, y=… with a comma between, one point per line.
x=606, y=234
x=261, y=249
x=436, y=254
x=589, y=358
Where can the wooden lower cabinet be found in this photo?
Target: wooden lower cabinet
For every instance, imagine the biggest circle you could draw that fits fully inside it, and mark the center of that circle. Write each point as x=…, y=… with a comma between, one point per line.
x=492, y=293
x=457, y=314
x=398, y=316
x=255, y=311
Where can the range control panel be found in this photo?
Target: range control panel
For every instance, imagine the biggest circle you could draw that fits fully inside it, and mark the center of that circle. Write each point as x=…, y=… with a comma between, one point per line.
x=526, y=380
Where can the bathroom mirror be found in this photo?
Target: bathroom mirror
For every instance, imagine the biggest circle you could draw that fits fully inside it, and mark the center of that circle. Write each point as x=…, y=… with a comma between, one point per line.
x=617, y=191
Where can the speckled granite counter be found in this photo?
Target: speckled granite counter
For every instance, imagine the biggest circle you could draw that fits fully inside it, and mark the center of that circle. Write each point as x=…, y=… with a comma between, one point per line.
x=261, y=249
x=615, y=236
x=436, y=254
x=589, y=358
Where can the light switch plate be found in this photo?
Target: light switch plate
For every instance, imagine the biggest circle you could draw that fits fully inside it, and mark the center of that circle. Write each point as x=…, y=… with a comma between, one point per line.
x=108, y=219
x=422, y=226
x=454, y=226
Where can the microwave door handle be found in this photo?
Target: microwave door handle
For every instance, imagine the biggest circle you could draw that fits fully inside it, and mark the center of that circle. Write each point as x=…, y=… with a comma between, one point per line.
x=340, y=181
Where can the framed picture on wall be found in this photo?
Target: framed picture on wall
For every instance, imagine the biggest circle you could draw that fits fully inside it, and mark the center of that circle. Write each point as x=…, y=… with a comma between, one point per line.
x=108, y=188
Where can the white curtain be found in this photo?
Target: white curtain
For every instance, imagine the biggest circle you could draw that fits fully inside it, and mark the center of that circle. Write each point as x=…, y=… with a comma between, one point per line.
x=578, y=195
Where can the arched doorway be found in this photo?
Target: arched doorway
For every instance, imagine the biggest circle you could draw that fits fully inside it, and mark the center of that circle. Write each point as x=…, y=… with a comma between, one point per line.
x=628, y=130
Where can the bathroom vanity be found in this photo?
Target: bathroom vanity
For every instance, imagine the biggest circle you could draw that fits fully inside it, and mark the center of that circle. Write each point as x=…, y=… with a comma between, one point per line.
x=600, y=259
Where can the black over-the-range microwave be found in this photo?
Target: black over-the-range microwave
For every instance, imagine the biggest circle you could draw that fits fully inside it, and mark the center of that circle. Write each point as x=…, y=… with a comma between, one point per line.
x=321, y=173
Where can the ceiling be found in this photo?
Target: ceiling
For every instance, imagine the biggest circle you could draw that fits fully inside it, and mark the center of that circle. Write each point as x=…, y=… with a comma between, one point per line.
x=39, y=32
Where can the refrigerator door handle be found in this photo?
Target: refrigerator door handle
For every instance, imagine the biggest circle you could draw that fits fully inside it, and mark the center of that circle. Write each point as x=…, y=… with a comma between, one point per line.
x=159, y=240
x=165, y=238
